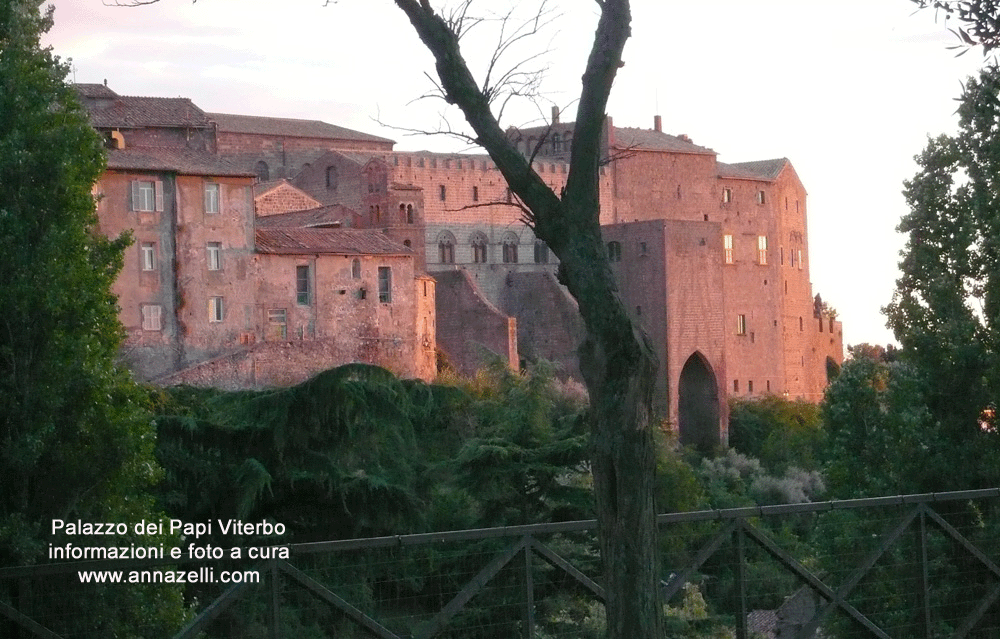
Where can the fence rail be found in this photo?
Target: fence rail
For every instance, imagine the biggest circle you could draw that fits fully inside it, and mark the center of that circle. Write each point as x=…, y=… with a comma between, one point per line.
x=902, y=566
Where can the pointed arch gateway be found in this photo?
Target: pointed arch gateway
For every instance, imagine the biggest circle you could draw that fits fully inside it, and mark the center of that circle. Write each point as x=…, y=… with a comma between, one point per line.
x=698, y=404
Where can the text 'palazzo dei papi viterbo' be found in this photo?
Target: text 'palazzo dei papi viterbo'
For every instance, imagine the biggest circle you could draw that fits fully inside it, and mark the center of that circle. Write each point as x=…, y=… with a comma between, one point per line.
x=269, y=249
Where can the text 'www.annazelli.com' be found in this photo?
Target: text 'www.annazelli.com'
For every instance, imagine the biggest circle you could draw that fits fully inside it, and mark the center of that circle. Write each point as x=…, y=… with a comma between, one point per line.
x=200, y=576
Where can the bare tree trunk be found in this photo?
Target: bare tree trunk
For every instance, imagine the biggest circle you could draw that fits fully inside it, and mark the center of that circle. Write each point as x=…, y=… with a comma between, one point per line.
x=616, y=359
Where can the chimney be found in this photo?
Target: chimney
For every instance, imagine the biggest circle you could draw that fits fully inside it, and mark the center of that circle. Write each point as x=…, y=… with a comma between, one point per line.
x=555, y=114
x=658, y=124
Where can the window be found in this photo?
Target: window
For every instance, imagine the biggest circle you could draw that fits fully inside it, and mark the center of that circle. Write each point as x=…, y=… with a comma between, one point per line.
x=333, y=179
x=614, y=251
x=475, y=194
x=762, y=249
x=442, y=193
x=541, y=252
x=147, y=256
x=510, y=250
x=356, y=269
x=781, y=253
x=216, y=309
x=727, y=195
x=213, y=255
x=147, y=195
x=446, y=248
x=152, y=317
x=642, y=248
x=736, y=385
x=800, y=324
x=409, y=214
x=727, y=248
x=302, y=285
x=510, y=196
x=800, y=259
x=479, y=249
x=760, y=197
x=263, y=171
x=277, y=324
x=211, y=198
x=750, y=386
x=385, y=284
x=741, y=324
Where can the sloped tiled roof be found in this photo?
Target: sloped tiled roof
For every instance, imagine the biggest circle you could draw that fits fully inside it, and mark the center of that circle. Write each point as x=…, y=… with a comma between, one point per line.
x=319, y=216
x=289, y=127
x=182, y=161
x=757, y=170
x=96, y=91
x=128, y=112
x=650, y=140
x=298, y=241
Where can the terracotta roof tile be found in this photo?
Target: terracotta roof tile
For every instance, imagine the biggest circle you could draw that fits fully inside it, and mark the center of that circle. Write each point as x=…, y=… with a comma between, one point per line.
x=182, y=161
x=95, y=91
x=650, y=140
x=767, y=170
x=299, y=241
x=259, y=125
x=319, y=216
x=128, y=112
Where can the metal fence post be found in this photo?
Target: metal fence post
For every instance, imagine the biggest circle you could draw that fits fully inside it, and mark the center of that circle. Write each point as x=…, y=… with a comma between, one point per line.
x=923, y=577
x=529, y=588
x=741, y=582
x=274, y=600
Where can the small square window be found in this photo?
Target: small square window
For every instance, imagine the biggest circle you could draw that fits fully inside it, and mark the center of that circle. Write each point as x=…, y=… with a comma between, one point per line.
x=145, y=196
x=277, y=324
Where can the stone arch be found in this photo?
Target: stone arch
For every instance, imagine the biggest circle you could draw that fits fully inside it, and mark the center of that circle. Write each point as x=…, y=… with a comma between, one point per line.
x=480, y=247
x=698, y=404
x=263, y=171
x=509, y=241
x=446, y=247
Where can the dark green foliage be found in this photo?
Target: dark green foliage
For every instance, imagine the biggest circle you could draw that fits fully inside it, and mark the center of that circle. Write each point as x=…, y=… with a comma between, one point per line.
x=946, y=309
x=75, y=434
x=355, y=452
x=779, y=432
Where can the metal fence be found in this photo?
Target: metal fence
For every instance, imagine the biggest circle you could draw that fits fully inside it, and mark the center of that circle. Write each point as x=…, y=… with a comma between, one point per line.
x=902, y=567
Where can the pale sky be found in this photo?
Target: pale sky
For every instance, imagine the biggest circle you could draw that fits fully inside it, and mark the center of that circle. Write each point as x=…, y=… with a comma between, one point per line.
x=848, y=91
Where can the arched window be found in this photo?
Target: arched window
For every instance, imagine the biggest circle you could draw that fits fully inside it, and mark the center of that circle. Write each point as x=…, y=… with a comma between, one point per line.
x=541, y=252
x=479, y=250
x=263, y=171
x=446, y=248
x=614, y=251
x=409, y=214
x=356, y=269
x=332, y=178
x=509, y=248
x=556, y=143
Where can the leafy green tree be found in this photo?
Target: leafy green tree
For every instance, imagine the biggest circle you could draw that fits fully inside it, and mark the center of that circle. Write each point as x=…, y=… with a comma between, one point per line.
x=76, y=440
x=946, y=308
x=779, y=432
